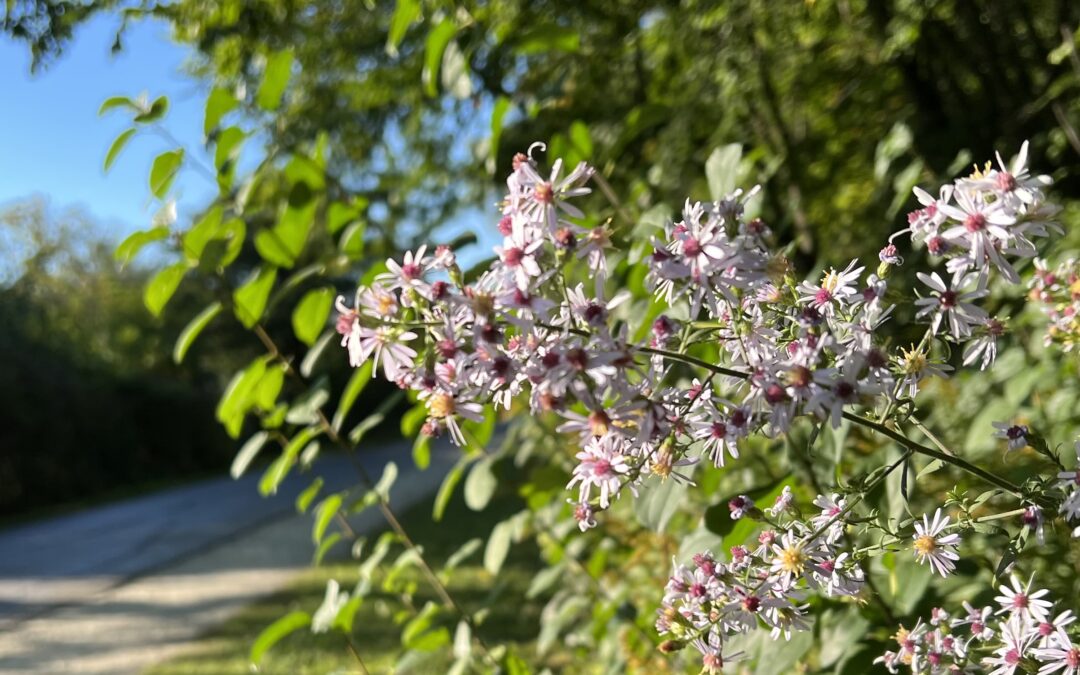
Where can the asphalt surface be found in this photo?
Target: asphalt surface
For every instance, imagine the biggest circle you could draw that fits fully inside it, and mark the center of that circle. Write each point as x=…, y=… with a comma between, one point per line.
x=117, y=588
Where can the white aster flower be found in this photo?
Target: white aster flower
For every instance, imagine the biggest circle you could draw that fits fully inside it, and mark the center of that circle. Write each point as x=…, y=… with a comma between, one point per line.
x=933, y=547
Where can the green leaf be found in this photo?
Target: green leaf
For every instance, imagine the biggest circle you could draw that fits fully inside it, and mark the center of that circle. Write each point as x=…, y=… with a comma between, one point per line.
x=265, y=393
x=338, y=215
x=282, y=244
x=446, y=490
x=455, y=76
x=464, y=552
x=155, y=112
x=316, y=352
x=324, y=547
x=386, y=481
x=324, y=513
x=405, y=13
x=273, y=476
x=275, y=79
x=418, y=634
x=117, y=146
x=274, y=633
x=413, y=419
x=305, y=409
x=722, y=170
x=218, y=104
x=162, y=286
x=351, y=243
x=135, y=242
x=164, y=171
x=304, y=499
x=249, y=301
x=236, y=400
x=498, y=546
x=116, y=102
x=437, y=39
x=192, y=330
x=226, y=151
x=421, y=451
x=480, y=484
x=247, y=453
x=309, y=317
x=659, y=503
x=360, y=377
x=549, y=38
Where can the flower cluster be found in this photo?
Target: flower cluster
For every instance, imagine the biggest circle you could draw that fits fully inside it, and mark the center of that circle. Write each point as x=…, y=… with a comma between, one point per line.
x=708, y=602
x=1057, y=291
x=523, y=330
x=1023, y=633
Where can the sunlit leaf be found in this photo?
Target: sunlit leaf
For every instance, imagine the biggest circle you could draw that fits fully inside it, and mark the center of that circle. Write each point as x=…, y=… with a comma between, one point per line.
x=162, y=287
x=309, y=317
x=275, y=80
x=193, y=329
x=117, y=146
x=249, y=300
x=164, y=170
x=276, y=631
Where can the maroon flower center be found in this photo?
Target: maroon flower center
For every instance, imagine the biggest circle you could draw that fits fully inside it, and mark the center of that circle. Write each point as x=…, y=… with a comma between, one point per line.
x=718, y=430
x=513, y=256
x=692, y=247
x=602, y=467
x=948, y=299
x=506, y=226
x=774, y=393
x=1012, y=657
x=577, y=358
x=1020, y=601
x=1006, y=182
x=823, y=297
x=844, y=390
x=752, y=603
x=565, y=238
x=738, y=418
x=975, y=222
x=594, y=312
x=1016, y=432
x=550, y=359
x=697, y=590
x=447, y=348
x=937, y=245
x=411, y=271
x=1046, y=629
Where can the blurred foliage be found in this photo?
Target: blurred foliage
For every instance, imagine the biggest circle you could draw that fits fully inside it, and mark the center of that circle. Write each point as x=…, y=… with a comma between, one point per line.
x=91, y=403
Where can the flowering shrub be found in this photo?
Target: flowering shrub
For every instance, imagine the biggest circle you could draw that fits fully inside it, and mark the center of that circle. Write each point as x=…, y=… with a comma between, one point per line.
x=779, y=350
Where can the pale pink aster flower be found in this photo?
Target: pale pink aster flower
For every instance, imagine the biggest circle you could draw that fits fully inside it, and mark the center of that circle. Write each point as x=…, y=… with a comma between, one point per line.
x=932, y=547
x=1020, y=601
x=409, y=274
x=1063, y=657
x=602, y=465
x=445, y=409
x=836, y=289
x=1053, y=630
x=385, y=343
x=951, y=304
x=1016, y=640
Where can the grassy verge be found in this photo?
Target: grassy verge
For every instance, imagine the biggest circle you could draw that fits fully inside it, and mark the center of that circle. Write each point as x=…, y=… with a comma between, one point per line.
x=376, y=633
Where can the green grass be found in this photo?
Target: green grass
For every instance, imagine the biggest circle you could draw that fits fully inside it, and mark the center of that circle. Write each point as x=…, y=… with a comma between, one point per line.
x=376, y=636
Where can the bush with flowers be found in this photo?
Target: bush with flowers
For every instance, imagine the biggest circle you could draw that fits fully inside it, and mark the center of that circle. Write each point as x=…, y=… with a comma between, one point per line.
x=720, y=461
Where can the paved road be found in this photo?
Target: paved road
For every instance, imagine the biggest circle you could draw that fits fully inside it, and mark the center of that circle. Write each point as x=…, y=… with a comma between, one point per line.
x=117, y=588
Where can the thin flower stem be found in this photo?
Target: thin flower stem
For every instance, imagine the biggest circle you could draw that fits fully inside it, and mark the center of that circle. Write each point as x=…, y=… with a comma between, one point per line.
x=903, y=440
x=609, y=193
x=383, y=503
x=356, y=655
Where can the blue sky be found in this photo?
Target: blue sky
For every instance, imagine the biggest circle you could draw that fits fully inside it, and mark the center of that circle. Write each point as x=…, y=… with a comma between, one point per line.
x=52, y=142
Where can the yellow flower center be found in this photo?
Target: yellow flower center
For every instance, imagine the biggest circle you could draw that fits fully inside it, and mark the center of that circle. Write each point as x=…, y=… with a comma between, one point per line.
x=925, y=545
x=441, y=405
x=385, y=305
x=792, y=559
